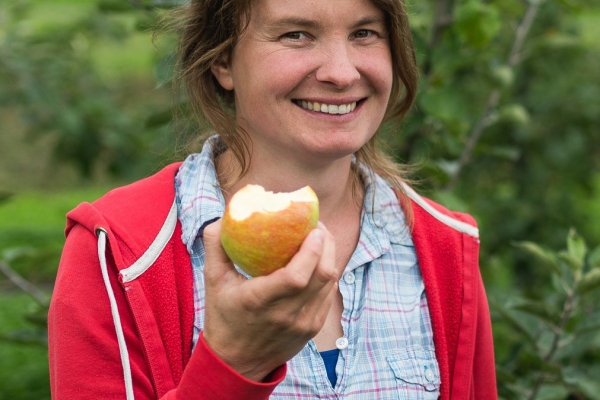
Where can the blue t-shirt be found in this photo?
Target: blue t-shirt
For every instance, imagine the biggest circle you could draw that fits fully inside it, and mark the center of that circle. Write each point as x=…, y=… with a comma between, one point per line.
x=330, y=358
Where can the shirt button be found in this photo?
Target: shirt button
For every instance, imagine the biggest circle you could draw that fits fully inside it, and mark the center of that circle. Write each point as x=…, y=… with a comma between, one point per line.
x=429, y=375
x=341, y=343
x=349, y=278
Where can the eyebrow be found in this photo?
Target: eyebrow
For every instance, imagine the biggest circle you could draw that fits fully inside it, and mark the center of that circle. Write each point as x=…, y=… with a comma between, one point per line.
x=293, y=21
x=310, y=23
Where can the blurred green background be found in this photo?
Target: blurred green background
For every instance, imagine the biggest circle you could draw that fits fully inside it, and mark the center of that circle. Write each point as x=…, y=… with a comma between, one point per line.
x=506, y=127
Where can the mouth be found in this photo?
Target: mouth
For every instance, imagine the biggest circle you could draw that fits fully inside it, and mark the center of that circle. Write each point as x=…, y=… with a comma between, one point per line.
x=327, y=108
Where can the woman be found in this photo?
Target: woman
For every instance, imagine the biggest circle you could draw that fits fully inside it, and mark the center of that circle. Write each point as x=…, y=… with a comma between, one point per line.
x=384, y=299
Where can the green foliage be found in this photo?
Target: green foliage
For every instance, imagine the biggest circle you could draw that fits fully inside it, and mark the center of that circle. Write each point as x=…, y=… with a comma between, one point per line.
x=23, y=353
x=551, y=337
x=50, y=71
x=476, y=23
x=31, y=239
x=506, y=121
x=505, y=126
x=31, y=230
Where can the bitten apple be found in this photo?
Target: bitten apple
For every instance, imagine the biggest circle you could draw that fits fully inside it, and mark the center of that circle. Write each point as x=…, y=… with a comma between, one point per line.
x=261, y=230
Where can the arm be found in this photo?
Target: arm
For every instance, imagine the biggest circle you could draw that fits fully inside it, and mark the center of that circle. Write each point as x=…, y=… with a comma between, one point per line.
x=258, y=324
x=84, y=354
x=83, y=350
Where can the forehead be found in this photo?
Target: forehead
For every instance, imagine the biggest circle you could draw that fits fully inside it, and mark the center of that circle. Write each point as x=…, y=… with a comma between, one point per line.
x=264, y=11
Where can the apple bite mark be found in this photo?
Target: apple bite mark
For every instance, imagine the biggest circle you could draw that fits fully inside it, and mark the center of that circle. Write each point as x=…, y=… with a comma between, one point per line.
x=261, y=230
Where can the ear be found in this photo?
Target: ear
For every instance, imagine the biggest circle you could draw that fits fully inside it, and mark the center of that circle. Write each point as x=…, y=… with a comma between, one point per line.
x=222, y=71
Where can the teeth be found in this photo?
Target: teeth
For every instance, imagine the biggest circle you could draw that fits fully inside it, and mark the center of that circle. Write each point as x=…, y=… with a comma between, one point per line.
x=327, y=108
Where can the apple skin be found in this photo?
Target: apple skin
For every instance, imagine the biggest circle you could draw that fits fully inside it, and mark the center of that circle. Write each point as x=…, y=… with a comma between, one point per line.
x=267, y=241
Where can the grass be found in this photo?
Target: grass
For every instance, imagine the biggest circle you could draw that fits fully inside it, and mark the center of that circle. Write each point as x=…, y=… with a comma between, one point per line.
x=34, y=211
x=31, y=230
x=23, y=367
x=35, y=221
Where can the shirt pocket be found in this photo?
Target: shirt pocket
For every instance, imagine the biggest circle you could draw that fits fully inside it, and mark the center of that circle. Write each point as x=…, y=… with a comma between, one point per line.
x=417, y=374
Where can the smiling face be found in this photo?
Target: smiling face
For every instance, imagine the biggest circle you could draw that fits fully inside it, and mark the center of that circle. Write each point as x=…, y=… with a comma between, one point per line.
x=311, y=80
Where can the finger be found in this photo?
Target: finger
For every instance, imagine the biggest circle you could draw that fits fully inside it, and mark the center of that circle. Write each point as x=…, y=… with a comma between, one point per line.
x=295, y=276
x=326, y=270
x=325, y=276
x=217, y=263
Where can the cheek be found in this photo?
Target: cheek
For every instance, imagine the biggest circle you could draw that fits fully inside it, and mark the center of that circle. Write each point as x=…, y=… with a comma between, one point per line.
x=273, y=76
x=380, y=69
x=383, y=75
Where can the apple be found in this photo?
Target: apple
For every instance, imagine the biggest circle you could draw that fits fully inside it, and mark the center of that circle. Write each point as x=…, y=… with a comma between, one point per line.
x=261, y=230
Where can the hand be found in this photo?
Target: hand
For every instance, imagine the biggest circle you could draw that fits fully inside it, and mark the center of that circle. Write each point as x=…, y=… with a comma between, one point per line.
x=259, y=324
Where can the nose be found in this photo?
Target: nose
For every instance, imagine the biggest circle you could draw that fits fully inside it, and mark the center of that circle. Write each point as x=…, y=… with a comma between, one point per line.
x=338, y=66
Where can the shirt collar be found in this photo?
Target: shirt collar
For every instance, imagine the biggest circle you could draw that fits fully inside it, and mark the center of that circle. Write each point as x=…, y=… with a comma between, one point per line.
x=199, y=197
x=200, y=201
x=383, y=221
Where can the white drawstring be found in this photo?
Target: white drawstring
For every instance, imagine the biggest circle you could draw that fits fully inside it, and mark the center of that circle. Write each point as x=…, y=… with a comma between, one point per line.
x=115, y=315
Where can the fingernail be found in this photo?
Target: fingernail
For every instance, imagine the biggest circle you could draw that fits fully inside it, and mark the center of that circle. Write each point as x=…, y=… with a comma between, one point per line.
x=321, y=225
x=318, y=235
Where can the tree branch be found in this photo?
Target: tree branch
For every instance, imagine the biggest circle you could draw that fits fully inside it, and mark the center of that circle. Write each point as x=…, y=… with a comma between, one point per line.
x=15, y=278
x=484, y=121
x=566, y=313
x=443, y=18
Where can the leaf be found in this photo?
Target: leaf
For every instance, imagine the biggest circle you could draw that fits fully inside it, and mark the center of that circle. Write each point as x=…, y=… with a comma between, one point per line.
x=576, y=248
x=449, y=167
x=445, y=103
x=573, y=263
x=546, y=257
x=594, y=258
x=583, y=379
x=502, y=76
x=514, y=114
x=513, y=321
x=539, y=309
x=590, y=281
x=552, y=392
x=589, y=323
x=477, y=23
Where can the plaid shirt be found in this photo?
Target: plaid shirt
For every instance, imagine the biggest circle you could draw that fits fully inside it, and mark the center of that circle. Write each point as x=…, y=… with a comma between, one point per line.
x=390, y=352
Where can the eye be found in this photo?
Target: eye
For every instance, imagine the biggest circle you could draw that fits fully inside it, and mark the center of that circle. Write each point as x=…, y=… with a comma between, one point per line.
x=294, y=36
x=363, y=33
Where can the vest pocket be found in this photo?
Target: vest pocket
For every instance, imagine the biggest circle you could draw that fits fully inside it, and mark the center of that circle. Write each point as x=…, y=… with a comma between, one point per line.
x=416, y=372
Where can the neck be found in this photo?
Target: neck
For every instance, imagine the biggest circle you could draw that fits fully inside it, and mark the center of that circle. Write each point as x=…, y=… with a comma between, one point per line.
x=337, y=186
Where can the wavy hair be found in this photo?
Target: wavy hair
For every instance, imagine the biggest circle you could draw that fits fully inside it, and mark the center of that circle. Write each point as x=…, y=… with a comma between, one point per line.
x=209, y=32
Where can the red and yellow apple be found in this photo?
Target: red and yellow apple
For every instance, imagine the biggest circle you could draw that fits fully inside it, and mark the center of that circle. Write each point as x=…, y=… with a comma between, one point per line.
x=262, y=230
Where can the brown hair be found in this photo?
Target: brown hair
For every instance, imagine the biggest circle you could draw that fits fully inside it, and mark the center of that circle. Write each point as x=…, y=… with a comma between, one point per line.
x=209, y=35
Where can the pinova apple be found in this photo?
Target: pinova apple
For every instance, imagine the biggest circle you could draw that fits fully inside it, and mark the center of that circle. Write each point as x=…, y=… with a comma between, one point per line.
x=261, y=230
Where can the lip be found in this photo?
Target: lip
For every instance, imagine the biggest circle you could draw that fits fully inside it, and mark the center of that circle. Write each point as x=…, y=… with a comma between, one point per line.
x=337, y=102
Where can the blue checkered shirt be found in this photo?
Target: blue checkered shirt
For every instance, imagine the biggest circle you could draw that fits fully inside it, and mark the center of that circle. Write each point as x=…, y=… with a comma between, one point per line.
x=390, y=352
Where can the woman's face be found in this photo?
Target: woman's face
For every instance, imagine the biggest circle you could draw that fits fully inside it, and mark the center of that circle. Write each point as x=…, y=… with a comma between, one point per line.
x=311, y=79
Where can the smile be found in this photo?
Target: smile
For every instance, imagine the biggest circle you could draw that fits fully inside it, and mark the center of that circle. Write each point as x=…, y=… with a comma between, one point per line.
x=326, y=108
